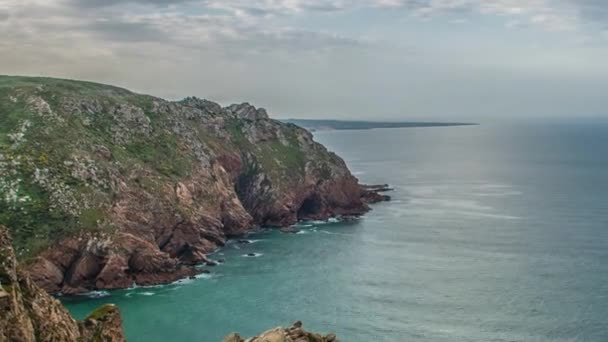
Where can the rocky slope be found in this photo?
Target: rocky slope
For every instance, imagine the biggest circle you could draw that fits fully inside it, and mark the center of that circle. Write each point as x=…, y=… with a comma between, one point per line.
x=295, y=333
x=28, y=313
x=106, y=188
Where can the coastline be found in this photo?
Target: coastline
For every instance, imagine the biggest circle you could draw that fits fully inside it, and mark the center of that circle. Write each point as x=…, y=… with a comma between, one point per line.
x=205, y=269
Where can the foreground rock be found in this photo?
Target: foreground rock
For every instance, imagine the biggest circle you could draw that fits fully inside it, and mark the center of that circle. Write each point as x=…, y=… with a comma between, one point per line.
x=28, y=313
x=295, y=333
x=110, y=188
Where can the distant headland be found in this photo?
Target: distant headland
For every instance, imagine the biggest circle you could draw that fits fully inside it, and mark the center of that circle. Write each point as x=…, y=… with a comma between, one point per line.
x=322, y=125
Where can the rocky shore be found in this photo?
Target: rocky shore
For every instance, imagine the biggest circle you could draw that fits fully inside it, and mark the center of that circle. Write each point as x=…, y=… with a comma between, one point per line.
x=105, y=188
x=29, y=314
x=295, y=333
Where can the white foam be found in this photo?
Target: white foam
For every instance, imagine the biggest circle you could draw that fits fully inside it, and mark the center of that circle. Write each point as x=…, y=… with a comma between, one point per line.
x=204, y=276
x=96, y=294
x=332, y=233
x=147, y=293
x=182, y=281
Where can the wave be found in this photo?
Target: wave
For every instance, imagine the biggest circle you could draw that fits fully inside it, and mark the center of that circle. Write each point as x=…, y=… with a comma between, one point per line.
x=204, y=276
x=96, y=294
x=332, y=233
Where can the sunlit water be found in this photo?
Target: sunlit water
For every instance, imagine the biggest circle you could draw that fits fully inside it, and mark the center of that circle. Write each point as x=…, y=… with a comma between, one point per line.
x=495, y=233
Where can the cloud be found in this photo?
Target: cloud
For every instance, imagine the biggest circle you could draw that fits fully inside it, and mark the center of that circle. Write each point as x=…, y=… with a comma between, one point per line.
x=108, y=3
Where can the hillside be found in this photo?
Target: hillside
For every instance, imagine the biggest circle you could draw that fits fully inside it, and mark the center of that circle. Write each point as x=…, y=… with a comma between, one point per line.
x=104, y=188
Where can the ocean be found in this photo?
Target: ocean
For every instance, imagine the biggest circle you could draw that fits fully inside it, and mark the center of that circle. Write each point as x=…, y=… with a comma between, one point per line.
x=495, y=233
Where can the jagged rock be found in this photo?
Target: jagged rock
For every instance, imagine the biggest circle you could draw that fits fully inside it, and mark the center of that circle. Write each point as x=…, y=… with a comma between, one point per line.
x=247, y=111
x=29, y=314
x=295, y=333
x=172, y=182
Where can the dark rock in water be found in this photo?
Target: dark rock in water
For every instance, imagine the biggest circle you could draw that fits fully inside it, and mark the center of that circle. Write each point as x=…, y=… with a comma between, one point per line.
x=205, y=271
x=251, y=255
x=192, y=277
x=372, y=193
x=295, y=333
x=211, y=263
x=244, y=242
x=349, y=218
x=290, y=230
x=377, y=188
x=221, y=261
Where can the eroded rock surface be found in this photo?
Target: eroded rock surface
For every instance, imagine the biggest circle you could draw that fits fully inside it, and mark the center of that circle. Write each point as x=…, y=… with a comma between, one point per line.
x=29, y=314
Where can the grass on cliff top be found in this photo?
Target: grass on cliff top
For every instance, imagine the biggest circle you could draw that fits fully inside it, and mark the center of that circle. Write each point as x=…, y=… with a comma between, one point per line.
x=81, y=87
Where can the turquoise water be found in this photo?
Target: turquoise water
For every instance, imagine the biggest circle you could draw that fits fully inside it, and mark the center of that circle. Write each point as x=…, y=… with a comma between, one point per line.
x=495, y=233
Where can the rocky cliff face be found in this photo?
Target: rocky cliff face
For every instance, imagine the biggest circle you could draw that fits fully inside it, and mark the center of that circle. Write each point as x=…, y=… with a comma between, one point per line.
x=107, y=188
x=295, y=333
x=28, y=313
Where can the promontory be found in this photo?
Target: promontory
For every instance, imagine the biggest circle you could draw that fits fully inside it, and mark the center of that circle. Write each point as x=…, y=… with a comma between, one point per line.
x=104, y=188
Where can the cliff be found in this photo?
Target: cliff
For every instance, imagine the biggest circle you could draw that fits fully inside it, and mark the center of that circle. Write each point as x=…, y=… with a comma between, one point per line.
x=28, y=313
x=105, y=188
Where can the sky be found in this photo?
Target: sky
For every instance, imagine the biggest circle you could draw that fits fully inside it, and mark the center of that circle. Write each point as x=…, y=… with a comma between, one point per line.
x=343, y=59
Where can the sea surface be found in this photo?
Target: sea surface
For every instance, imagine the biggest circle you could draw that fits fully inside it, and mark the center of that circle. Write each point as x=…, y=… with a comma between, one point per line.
x=495, y=233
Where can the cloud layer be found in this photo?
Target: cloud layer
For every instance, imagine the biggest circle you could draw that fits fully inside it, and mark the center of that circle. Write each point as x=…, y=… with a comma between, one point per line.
x=346, y=56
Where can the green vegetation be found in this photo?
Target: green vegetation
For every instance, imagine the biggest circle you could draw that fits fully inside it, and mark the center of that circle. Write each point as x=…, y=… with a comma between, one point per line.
x=102, y=312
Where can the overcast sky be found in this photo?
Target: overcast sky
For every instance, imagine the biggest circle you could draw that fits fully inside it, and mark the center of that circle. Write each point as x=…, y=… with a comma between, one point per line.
x=355, y=59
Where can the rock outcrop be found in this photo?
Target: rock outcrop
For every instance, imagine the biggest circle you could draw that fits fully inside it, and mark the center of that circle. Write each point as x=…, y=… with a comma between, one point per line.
x=295, y=333
x=28, y=313
x=106, y=188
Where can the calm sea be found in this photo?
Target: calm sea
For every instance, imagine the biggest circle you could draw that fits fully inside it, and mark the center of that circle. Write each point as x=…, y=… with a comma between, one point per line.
x=495, y=233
